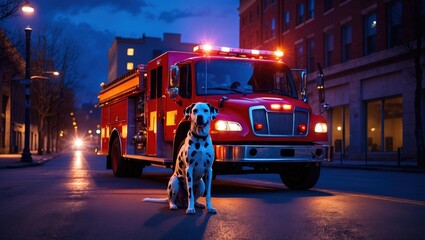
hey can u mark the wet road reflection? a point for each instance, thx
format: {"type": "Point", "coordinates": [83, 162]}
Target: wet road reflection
{"type": "Point", "coordinates": [78, 184]}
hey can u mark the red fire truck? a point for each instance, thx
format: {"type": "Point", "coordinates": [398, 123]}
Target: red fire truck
{"type": "Point", "coordinates": [262, 126]}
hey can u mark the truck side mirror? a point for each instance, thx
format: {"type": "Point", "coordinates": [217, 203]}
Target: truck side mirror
{"type": "Point", "coordinates": [174, 76]}
{"type": "Point", "coordinates": [173, 92]}
{"type": "Point", "coordinates": [304, 93]}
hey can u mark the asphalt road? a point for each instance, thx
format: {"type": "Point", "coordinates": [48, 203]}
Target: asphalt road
{"type": "Point", "coordinates": [74, 197]}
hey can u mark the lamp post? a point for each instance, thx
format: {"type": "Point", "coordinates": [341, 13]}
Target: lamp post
{"type": "Point", "coordinates": [27, 8]}
{"type": "Point", "coordinates": [26, 154]}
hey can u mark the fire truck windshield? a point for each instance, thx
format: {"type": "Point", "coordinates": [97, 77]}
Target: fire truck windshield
{"type": "Point", "coordinates": [235, 76]}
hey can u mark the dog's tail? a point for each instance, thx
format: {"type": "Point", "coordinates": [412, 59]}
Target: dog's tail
{"type": "Point", "coordinates": [156, 200]}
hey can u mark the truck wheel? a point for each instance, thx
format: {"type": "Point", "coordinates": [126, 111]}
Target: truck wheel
{"type": "Point", "coordinates": [300, 176]}
{"type": "Point", "coordinates": [118, 162]}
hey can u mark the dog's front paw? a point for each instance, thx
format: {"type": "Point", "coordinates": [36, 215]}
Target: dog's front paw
{"type": "Point", "coordinates": [173, 206]}
{"type": "Point", "coordinates": [212, 210]}
{"type": "Point", "coordinates": [190, 211]}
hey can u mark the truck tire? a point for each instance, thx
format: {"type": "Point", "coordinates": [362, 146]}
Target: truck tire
{"type": "Point", "coordinates": [118, 162]}
{"type": "Point", "coordinates": [300, 176]}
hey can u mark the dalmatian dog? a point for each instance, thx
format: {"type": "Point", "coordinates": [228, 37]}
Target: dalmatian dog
{"type": "Point", "coordinates": [194, 162]}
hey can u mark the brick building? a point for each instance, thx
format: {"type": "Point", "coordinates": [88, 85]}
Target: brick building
{"type": "Point", "coordinates": [12, 115]}
{"type": "Point", "coordinates": [369, 71]}
{"type": "Point", "coordinates": [126, 53]}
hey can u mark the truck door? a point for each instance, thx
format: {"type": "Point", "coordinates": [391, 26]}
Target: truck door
{"type": "Point", "coordinates": [153, 109]}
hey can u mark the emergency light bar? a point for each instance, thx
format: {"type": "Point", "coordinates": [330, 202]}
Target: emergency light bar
{"type": "Point", "coordinates": [240, 52]}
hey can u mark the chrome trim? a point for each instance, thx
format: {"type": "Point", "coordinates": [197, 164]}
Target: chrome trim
{"type": "Point", "coordinates": [273, 153]}
{"type": "Point", "coordinates": [251, 109]}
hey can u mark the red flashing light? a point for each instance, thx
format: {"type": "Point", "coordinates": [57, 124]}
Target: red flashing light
{"type": "Point", "coordinates": [302, 128]}
{"type": "Point", "coordinates": [238, 52]}
{"type": "Point", "coordinates": [281, 107]}
{"type": "Point", "coordinates": [258, 126]}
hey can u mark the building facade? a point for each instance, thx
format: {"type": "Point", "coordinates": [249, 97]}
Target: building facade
{"type": "Point", "coordinates": [126, 53]}
{"type": "Point", "coordinates": [12, 101]}
{"type": "Point", "coordinates": [363, 48]}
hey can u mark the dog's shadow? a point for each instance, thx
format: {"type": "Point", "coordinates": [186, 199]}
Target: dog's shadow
{"type": "Point", "coordinates": [187, 227]}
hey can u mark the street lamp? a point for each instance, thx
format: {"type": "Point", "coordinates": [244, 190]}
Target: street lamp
{"type": "Point", "coordinates": [26, 154]}
{"type": "Point", "coordinates": [27, 7]}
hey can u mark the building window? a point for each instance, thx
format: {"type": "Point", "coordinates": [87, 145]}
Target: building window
{"type": "Point", "coordinates": [310, 55]}
{"type": "Point", "coordinates": [394, 24]}
{"type": "Point", "coordinates": [273, 27]}
{"type": "Point", "coordinates": [130, 51]}
{"type": "Point", "coordinates": [286, 19]}
{"type": "Point", "coordinates": [310, 9]}
{"type": "Point", "coordinates": [346, 42]}
{"type": "Point", "coordinates": [266, 32]}
{"type": "Point", "coordinates": [130, 65]}
{"type": "Point", "coordinates": [370, 33]}
{"type": "Point", "coordinates": [328, 5]}
{"type": "Point", "coordinates": [299, 53]}
{"type": "Point", "coordinates": [341, 129]}
{"type": "Point", "coordinates": [329, 48]}
{"type": "Point", "coordinates": [385, 125]}
{"type": "Point", "coordinates": [300, 13]}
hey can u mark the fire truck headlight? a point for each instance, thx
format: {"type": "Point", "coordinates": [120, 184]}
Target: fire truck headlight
{"type": "Point", "coordinates": [222, 125]}
{"type": "Point", "coordinates": [321, 128]}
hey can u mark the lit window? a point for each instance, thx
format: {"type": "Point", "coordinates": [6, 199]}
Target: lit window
{"type": "Point", "coordinates": [130, 66]}
{"type": "Point", "coordinates": [130, 51]}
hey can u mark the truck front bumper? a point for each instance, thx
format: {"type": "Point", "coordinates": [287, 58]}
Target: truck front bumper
{"type": "Point", "coordinates": [273, 153]}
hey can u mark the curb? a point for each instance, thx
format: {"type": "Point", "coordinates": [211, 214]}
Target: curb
{"type": "Point", "coordinates": [35, 163]}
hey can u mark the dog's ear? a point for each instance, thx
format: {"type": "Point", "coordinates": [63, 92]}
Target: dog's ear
{"type": "Point", "coordinates": [188, 111]}
{"type": "Point", "coordinates": [214, 111]}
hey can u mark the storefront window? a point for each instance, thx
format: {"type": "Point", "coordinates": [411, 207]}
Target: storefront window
{"type": "Point", "coordinates": [393, 124]}
{"type": "Point", "coordinates": [385, 125]}
{"type": "Point", "coordinates": [341, 129]}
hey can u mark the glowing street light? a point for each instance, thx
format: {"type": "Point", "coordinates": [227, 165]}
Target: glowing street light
{"type": "Point", "coordinates": [27, 7]}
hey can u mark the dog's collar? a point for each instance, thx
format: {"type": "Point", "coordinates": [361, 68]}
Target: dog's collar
{"type": "Point", "coordinates": [199, 136]}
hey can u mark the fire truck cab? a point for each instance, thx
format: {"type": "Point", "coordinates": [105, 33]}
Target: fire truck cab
{"type": "Point", "coordinates": [262, 125]}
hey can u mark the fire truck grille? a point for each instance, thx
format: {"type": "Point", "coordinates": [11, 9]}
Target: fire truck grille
{"type": "Point", "coordinates": [272, 123]}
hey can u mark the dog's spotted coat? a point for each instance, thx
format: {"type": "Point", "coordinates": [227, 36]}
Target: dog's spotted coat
{"type": "Point", "coordinates": [194, 162]}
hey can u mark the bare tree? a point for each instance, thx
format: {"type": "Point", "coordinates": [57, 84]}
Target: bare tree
{"type": "Point", "coordinates": [53, 99]}
{"type": "Point", "coordinates": [9, 8]}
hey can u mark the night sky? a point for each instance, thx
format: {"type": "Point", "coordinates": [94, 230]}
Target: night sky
{"type": "Point", "coordinates": [93, 24]}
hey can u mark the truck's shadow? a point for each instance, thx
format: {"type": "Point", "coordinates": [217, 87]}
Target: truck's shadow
{"type": "Point", "coordinates": [229, 186]}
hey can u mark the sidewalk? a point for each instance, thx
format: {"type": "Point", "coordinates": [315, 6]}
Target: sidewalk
{"type": "Point", "coordinates": [378, 165]}
{"type": "Point", "coordinates": [14, 160]}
